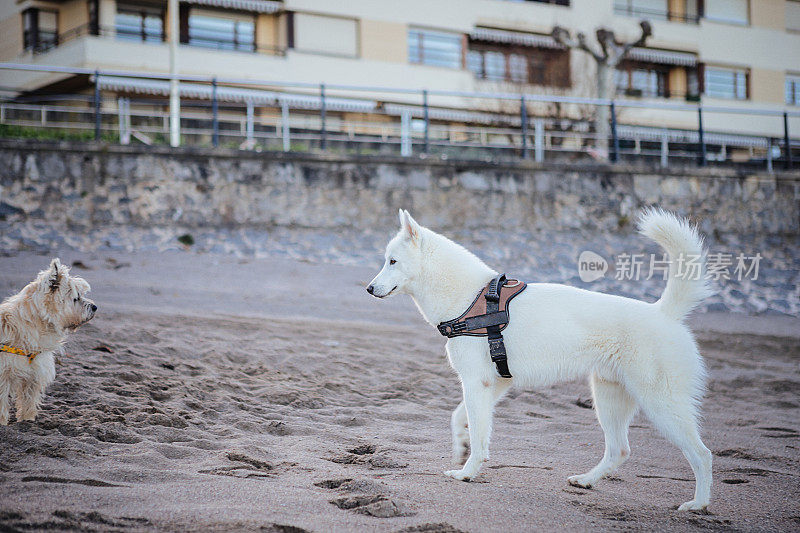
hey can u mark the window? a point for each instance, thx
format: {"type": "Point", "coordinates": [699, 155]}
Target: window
{"type": "Point", "coordinates": [40, 29]}
{"type": "Point", "coordinates": [658, 9]}
{"type": "Point", "coordinates": [439, 49]}
{"type": "Point", "coordinates": [328, 35]}
{"type": "Point", "coordinates": [793, 89]}
{"type": "Point", "coordinates": [221, 30]}
{"type": "Point", "coordinates": [139, 23]}
{"type": "Point", "coordinates": [730, 11]}
{"type": "Point", "coordinates": [793, 15]}
{"type": "Point", "coordinates": [653, 9]}
{"type": "Point", "coordinates": [726, 83]}
{"type": "Point", "coordinates": [634, 78]}
{"type": "Point", "coordinates": [519, 64]}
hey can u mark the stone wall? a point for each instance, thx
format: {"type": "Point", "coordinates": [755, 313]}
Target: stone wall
{"type": "Point", "coordinates": [86, 186]}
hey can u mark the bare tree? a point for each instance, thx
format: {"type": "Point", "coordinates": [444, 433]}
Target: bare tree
{"type": "Point", "coordinates": [612, 51]}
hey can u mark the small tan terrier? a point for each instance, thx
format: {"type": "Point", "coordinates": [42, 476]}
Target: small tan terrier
{"type": "Point", "coordinates": [33, 326]}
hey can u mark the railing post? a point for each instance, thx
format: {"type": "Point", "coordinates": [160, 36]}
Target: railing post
{"type": "Point", "coordinates": [405, 134]}
{"type": "Point", "coordinates": [97, 105]}
{"type": "Point", "coordinates": [323, 130]}
{"type": "Point", "coordinates": [614, 138]}
{"type": "Point", "coordinates": [787, 142]}
{"type": "Point", "coordinates": [426, 146]}
{"type": "Point", "coordinates": [214, 114]}
{"type": "Point", "coordinates": [285, 126]}
{"type": "Point", "coordinates": [523, 116]}
{"type": "Point", "coordinates": [538, 140]}
{"type": "Point", "coordinates": [769, 155]}
{"type": "Point", "coordinates": [123, 120]}
{"type": "Point", "coordinates": [250, 128]}
{"type": "Point", "coordinates": [702, 139]}
{"type": "Point", "coordinates": [664, 150]}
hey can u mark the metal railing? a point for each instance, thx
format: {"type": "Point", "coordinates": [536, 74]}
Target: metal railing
{"type": "Point", "coordinates": [47, 44]}
{"type": "Point", "coordinates": [304, 116]}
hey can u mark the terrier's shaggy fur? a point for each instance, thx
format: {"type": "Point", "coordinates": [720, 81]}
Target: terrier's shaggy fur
{"type": "Point", "coordinates": [638, 355]}
{"type": "Point", "coordinates": [36, 321]}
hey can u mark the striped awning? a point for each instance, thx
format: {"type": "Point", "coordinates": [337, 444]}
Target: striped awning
{"type": "Point", "coordinates": [665, 57]}
{"type": "Point", "coordinates": [645, 133]}
{"type": "Point", "coordinates": [454, 115]}
{"type": "Point", "coordinates": [513, 37]}
{"type": "Point", "coordinates": [257, 6]}
{"type": "Point", "coordinates": [232, 94]}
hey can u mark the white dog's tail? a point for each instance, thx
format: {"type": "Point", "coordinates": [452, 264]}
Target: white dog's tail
{"type": "Point", "coordinates": [686, 286]}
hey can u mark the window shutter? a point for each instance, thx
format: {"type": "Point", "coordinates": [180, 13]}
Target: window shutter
{"type": "Point", "coordinates": [183, 23]}
{"type": "Point", "coordinates": [701, 78]}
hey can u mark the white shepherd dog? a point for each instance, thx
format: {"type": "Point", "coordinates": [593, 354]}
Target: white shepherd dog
{"type": "Point", "coordinates": [637, 355]}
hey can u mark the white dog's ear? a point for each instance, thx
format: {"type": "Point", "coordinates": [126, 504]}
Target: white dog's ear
{"type": "Point", "coordinates": [55, 275]}
{"type": "Point", "coordinates": [409, 226]}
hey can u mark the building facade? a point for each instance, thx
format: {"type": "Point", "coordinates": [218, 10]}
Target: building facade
{"type": "Point", "coordinates": [741, 54]}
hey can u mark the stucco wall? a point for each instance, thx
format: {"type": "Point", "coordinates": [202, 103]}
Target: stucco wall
{"type": "Point", "coordinates": [85, 186]}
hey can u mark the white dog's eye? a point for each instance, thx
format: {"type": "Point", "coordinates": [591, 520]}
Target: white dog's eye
{"type": "Point", "coordinates": [392, 261]}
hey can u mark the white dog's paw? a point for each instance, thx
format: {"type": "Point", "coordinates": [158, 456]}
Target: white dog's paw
{"type": "Point", "coordinates": [582, 481]}
{"type": "Point", "coordinates": [461, 475]}
{"type": "Point", "coordinates": [693, 505]}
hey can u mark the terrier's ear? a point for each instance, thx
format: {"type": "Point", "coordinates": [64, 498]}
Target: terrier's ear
{"type": "Point", "coordinates": [55, 276]}
{"type": "Point", "coordinates": [410, 227]}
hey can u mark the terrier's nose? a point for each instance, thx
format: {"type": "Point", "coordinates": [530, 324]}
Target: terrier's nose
{"type": "Point", "coordinates": [370, 289]}
{"type": "Point", "coordinates": [94, 308]}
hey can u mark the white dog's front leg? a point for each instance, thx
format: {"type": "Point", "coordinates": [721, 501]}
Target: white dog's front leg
{"type": "Point", "coordinates": [479, 402]}
{"type": "Point", "coordinates": [29, 396]}
{"type": "Point", "coordinates": [5, 390]}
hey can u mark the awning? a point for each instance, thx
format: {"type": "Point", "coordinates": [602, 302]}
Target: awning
{"type": "Point", "coordinates": [233, 94]}
{"type": "Point", "coordinates": [514, 37]}
{"type": "Point", "coordinates": [454, 115]}
{"type": "Point", "coordinates": [257, 6]}
{"type": "Point", "coordinates": [645, 133]}
{"type": "Point", "coordinates": [665, 57]}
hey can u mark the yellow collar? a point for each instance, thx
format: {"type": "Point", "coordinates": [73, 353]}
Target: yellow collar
{"type": "Point", "coordinates": [10, 349]}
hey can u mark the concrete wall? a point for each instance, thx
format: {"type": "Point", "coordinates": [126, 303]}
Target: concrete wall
{"type": "Point", "coordinates": [86, 186]}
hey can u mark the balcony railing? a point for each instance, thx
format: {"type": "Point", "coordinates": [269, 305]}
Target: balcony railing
{"type": "Point", "coordinates": [111, 32]}
{"type": "Point", "coordinates": [654, 14]}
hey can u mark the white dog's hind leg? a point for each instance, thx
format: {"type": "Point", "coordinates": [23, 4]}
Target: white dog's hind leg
{"type": "Point", "coordinates": [460, 426]}
{"type": "Point", "coordinates": [614, 408]}
{"type": "Point", "coordinates": [678, 422]}
{"type": "Point", "coordinates": [479, 402]}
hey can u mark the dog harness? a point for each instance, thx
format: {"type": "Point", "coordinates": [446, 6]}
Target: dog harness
{"type": "Point", "coordinates": [487, 317]}
{"type": "Point", "coordinates": [10, 349]}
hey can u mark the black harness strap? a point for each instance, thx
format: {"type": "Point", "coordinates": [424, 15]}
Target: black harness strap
{"type": "Point", "coordinates": [497, 349]}
{"type": "Point", "coordinates": [493, 322]}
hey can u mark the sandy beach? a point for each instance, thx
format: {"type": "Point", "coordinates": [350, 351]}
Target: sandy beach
{"type": "Point", "coordinates": [215, 393]}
